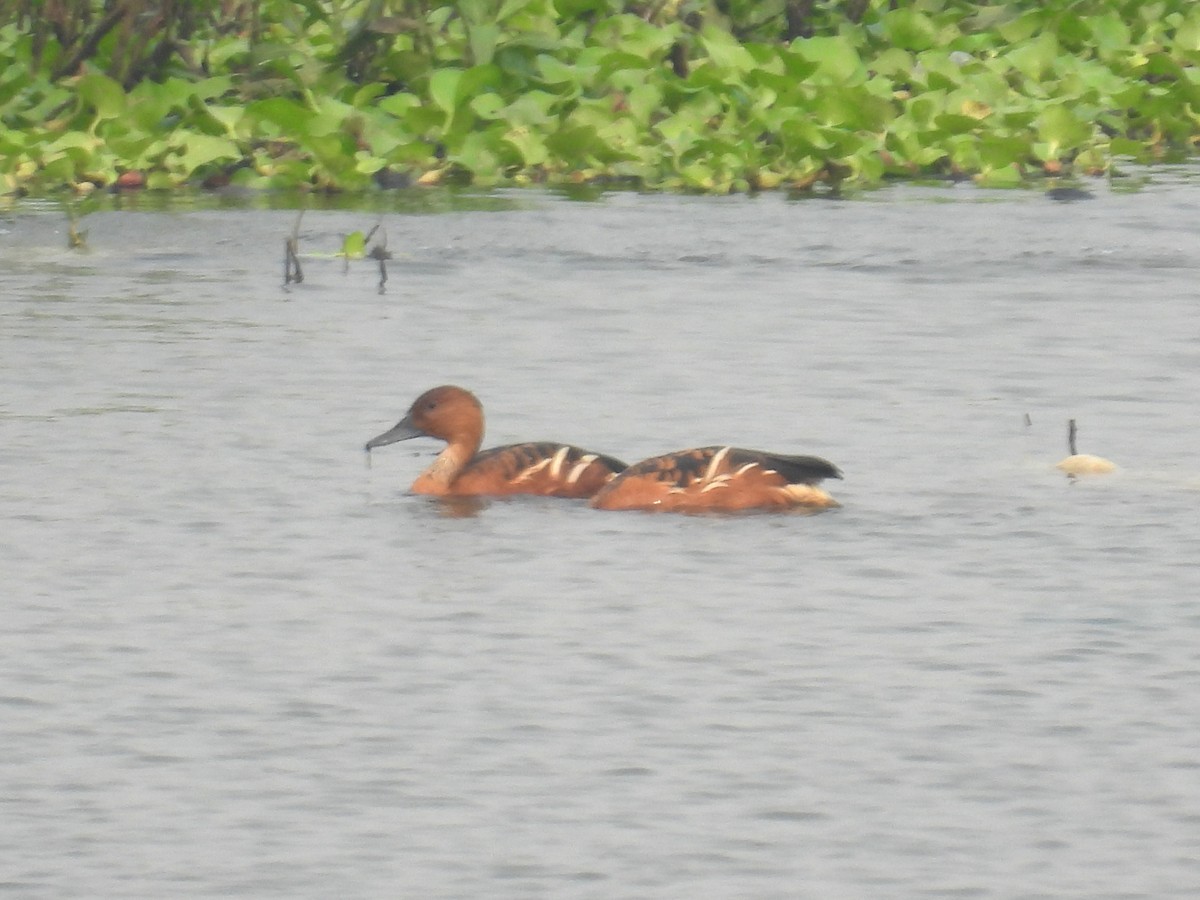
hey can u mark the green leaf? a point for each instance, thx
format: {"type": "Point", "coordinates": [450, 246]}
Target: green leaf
{"type": "Point", "coordinates": [573, 142]}
{"type": "Point", "coordinates": [532, 108]}
{"type": "Point", "coordinates": [398, 105]}
{"type": "Point", "coordinates": [103, 95]}
{"type": "Point", "coordinates": [1061, 130]}
{"type": "Point", "coordinates": [1035, 58]}
{"type": "Point", "coordinates": [553, 71]}
{"type": "Point", "coordinates": [1109, 32]}
{"type": "Point", "coordinates": [1007, 176]}
{"type": "Point", "coordinates": [529, 144]}
{"type": "Point", "coordinates": [488, 106]}
{"type": "Point", "coordinates": [910, 29]}
{"type": "Point", "coordinates": [482, 38]}
{"type": "Point", "coordinates": [836, 59]}
{"type": "Point", "coordinates": [443, 89]}
{"type": "Point", "coordinates": [354, 245]}
{"type": "Point", "coordinates": [954, 123]}
{"type": "Point", "coordinates": [1120, 146]}
{"type": "Point", "coordinates": [204, 149]}
{"type": "Point", "coordinates": [291, 117]}
{"type": "Point", "coordinates": [725, 51]}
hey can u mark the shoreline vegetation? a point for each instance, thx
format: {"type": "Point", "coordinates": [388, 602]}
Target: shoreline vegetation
{"type": "Point", "coordinates": [714, 97]}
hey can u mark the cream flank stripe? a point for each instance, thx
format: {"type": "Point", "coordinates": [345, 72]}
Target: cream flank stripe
{"type": "Point", "coordinates": [723, 481]}
{"type": "Point", "coordinates": [580, 467]}
{"type": "Point", "coordinates": [715, 463]}
{"type": "Point", "coordinates": [555, 463]}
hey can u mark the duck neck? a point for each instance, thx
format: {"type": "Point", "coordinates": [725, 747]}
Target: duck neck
{"type": "Point", "coordinates": [439, 478]}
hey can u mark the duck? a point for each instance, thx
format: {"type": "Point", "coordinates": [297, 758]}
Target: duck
{"type": "Point", "coordinates": [720, 479]}
{"type": "Point", "coordinates": [455, 415]}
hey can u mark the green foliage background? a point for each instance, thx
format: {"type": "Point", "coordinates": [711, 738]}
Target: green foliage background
{"type": "Point", "coordinates": [666, 94]}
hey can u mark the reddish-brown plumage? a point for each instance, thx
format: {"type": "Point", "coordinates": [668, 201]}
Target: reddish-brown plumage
{"type": "Point", "coordinates": [719, 479]}
{"type": "Point", "coordinates": [455, 416]}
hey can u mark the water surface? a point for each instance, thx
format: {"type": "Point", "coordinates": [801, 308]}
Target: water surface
{"type": "Point", "coordinates": [238, 662]}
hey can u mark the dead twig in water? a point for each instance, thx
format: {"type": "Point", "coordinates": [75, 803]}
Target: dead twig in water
{"type": "Point", "coordinates": [381, 253]}
{"type": "Point", "coordinates": [291, 257]}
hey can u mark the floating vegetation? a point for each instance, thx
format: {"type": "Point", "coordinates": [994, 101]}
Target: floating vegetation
{"type": "Point", "coordinates": [698, 96]}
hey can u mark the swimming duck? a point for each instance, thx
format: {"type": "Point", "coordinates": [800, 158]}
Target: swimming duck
{"type": "Point", "coordinates": [455, 416]}
{"type": "Point", "coordinates": [722, 479]}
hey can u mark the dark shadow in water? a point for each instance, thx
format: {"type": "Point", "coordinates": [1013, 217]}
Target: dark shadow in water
{"type": "Point", "coordinates": [460, 507]}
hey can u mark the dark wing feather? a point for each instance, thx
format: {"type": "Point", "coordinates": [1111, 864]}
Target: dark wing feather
{"type": "Point", "coordinates": [681, 467]}
{"type": "Point", "coordinates": [796, 469]}
{"type": "Point", "coordinates": [684, 467]}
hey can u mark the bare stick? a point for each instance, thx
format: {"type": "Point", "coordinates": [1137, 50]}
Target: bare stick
{"type": "Point", "coordinates": [380, 252]}
{"type": "Point", "coordinates": [1071, 436]}
{"type": "Point", "coordinates": [291, 257]}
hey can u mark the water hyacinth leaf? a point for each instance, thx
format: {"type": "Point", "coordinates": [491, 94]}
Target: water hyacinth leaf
{"type": "Point", "coordinates": [530, 146]}
{"type": "Point", "coordinates": [482, 38]}
{"type": "Point", "coordinates": [1005, 176]}
{"type": "Point", "coordinates": [679, 133]}
{"type": "Point", "coordinates": [1060, 130]}
{"type": "Point", "coordinates": [836, 59]}
{"type": "Point", "coordinates": [796, 66]}
{"type": "Point", "coordinates": [229, 118]}
{"type": "Point", "coordinates": [200, 117]}
{"type": "Point", "coordinates": [443, 89]}
{"type": "Point", "coordinates": [74, 140]}
{"type": "Point", "coordinates": [203, 149]}
{"type": "Point", "coordinates": [572, 142]}
{"type": "Point", "coordinates": [553, 71]}
{"type": "Point", "coordinates": [1109, 32]}
{"type": "Point", "coordinates": [532, 108]}
{"type": "Point", "coordinates": [488, 106]}
{"type": "Point", "coordinates": [924, 109]}
{"type": "Point", "coordinates": [1022, 28]}
{"type": "Point", "coordinates": [1072, 31]}
{"type": "Point", "coordinates": [475, 80]}
{"type": "Point", "coordinates": [998, 152]}
{"type": "Point", "coordinates": [478, 154]}
{"type": "Point", "coordinates": [105, 97]}
{"type": "Point", "coordinates": [398, 105]}
{"type": "Point", "coordinates": [367, 164]}
{"type": "Point", "coordinates": [927, 156]}
{"type": "Point", "coordinates": [910, 29]}
{"type": "Point", "coordinates": [725, 52]}
{"type": "Point", "coordinates": [354, 245]}
{"type": "Point", "coordinates": [954, 123]}
{"type": "Point", "coordinates": [1187, 33]}
{"type": "Point", "coordinates": [331, 117]}
{"type": "Point", "coordinates": [1092, 161]}
{"type": "Point", "coordinates": [367, 95]}
{"type": "Point", "coordinates": [63, 168]}
{"type": "Point", "coordinates": [644, 101]}
{"type": "Point", "coordinates": [291, 117]}
{"type": "Point", "coordinates": [894, 62]}
{"type": "Point", "coordinates": [1035, 58]}
{"type": "Point", "coordinates": [637, 36]}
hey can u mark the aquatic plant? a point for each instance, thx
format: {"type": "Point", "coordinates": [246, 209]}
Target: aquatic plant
{"type": "Point", "coordinates": [670, 94]}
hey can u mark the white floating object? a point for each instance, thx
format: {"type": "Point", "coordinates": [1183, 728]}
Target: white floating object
{"type": "Point", "coordinates": [1083, 463]}
{"type": "Point", "coordinates": [1086, 464]}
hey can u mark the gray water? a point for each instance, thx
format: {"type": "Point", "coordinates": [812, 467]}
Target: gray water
{"type": "Point", "coordinates": [236, 661]}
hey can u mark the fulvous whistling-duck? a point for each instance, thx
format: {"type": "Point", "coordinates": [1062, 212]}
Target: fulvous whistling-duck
{"type": "Point", "coordinates": [1083, 463]}
{"type": "Point", "coordinates": [455, 416]}
{"type": "Point", "coordinates": [722, 479]}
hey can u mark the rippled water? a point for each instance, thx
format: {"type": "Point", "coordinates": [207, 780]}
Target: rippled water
{"type": "Point", "coordinates": [237, 662]}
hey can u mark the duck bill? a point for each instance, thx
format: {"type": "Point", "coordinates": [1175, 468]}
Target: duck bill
{"type": "Point", "coordinates": [401, 431]}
